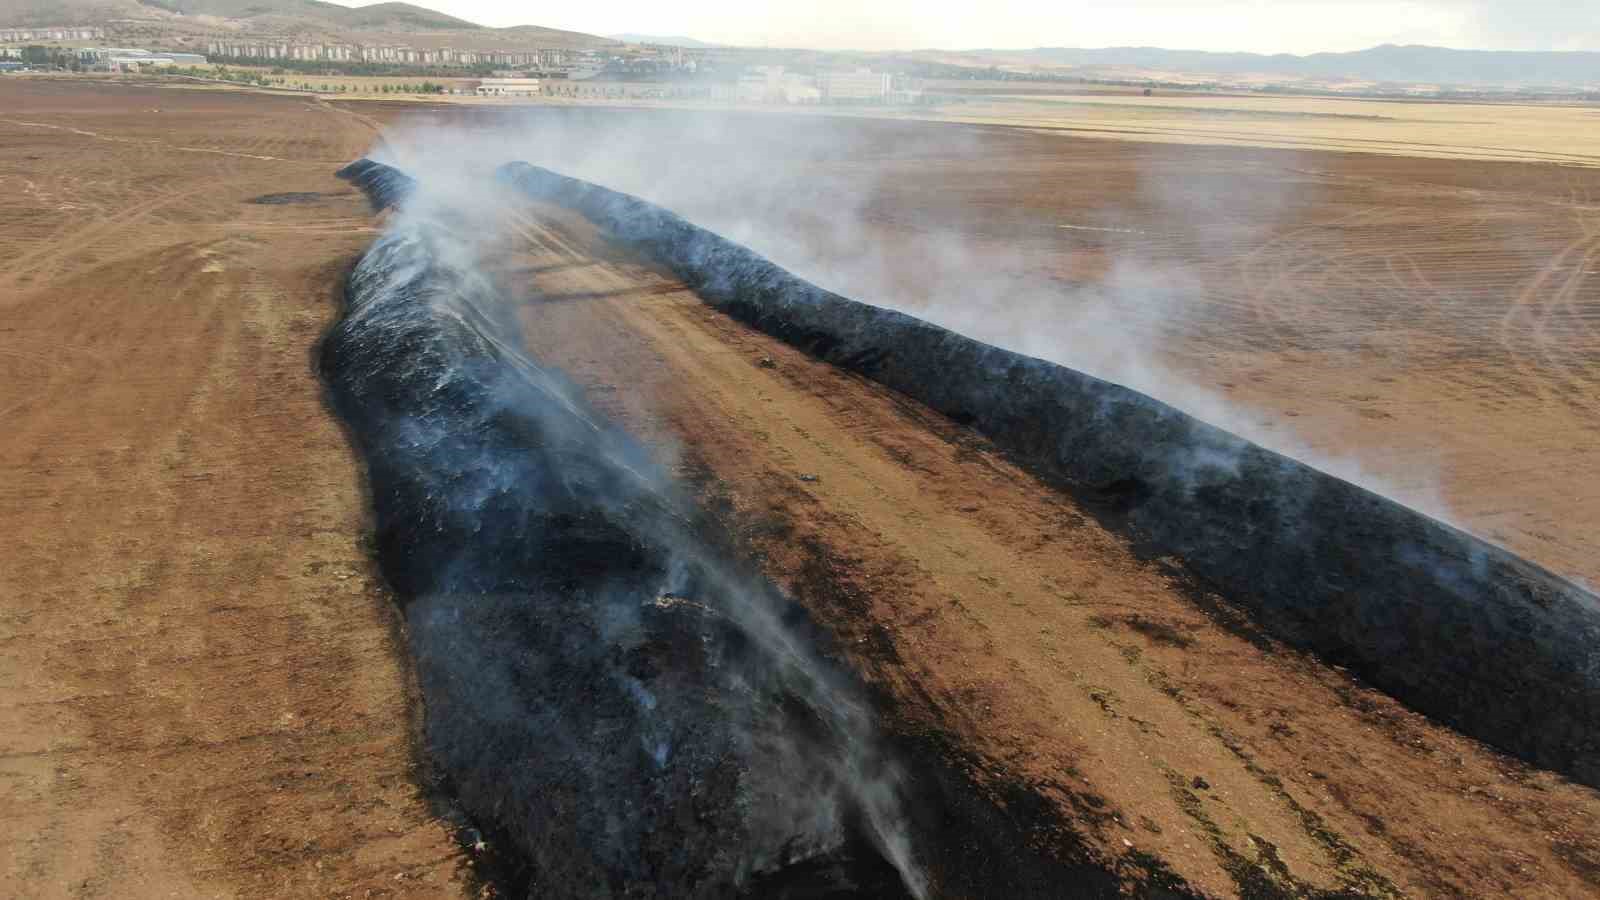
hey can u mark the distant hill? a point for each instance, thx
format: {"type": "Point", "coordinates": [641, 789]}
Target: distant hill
{"type": "Point", "coordinates": [382, 16]}
{"type": "Point", "coordinates": [386, 16]}
{"type": "Point", "coordinates": [397, 16]}
{"type": "Point", "coordinates": [157, 20]}
{"type": "Point", "coordinates": [160, 20]}
{"type": "Point", "coordinates": [665, 40]}
{"type": "Point", "coordinates": [33, 13]}
{"type": "Point", "coordinates": [1412, 64]}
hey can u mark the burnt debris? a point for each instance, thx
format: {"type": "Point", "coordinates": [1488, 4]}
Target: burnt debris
{"type": "Point", "coordinates": [384, 186]}
{"type": "Point", "coordinates": [635, 714]}
{"type": "Point", "coordinates": [609, 695]}
{"type": "Point", "coordinates": [1461, 630]}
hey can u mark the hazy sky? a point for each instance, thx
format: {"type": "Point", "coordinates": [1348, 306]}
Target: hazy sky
{"type": "Point", "coordinates": [1267, 26]}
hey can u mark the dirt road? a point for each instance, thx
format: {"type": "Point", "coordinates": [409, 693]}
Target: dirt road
{"type": "Point", "coordinates": [983, 601]}
{"type": "Point", "coordinates": [198, 694]}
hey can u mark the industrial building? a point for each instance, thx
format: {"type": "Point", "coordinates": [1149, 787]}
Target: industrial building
{"type": "Point", "coordinates": [760, 84]}
{"type": "Point", "coordinates": [508, 87]}
{"type": "Point", "coordinates": [123, 59]}
{"type": "Point", "coordinates": [153, 61]}
{"type": "Point", "coordinates": [858, 86]}
{"type": "Point", "coordinates": [772, 84]}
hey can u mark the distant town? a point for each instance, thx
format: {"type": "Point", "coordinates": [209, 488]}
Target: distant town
{"type": "Point", "coordinates": [323, 57]}
{"type": "Point", "coordinates": [623, 71]}
{"type": "Point", "coordinates": [62, 33]}
{"type": "Point", "coordinates": [283, 50]}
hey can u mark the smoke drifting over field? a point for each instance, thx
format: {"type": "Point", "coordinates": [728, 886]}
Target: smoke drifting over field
{"type": "Point", "coordinates": [753, 178]}
{"type": "Point", "coordinates": [1461, 630]}
{"type": "Point", "coordinates": [618, 702]}
{"type": "Point", "coordinates": [541, 552]}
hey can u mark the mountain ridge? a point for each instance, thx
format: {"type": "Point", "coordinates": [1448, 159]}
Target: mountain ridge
{"type": "Point", "coordinates": [1414, 63]}
{"type": "Point", "coordinates": [665, 40]}
{"type": "Point", "coordinates": [186, 21]}
{"type": "Point", "coordinates": [398, 21]}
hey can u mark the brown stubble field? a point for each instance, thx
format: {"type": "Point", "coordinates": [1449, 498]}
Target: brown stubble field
{"type": "Point", "coordinates": [201, 693]}
{"type": "Point", "coordinates": [1550, 132]}
{"type": "Point", "coordinates": [1428, 328]}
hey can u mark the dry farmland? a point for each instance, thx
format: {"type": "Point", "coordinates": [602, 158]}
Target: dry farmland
{"type": "Point", "coordinates": [201, 690]}
{"type": "Point", "coordinates": [1531, 132]}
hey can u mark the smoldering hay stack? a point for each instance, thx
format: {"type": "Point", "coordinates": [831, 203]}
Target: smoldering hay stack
{"type": "Point", "coordinates": [604, 691]}
{"type": "Point", "coordinates": [385, 186]}
{"type": "Point", "coordinates": [640, 717]}
{"type": "Point", "coordinates": [1457, 628]}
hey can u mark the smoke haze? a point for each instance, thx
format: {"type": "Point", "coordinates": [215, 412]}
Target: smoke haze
{"type": "Point", "coordinates": [903, 216]}
{"type": "Point", "coordinates": [1297, 26]}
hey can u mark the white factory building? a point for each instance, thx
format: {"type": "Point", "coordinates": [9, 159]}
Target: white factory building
{"type": "Point", "coordinates": [508, 87]}
{"type": "Point", "coordinates": [772, 84]}
{"type": "Point", "coordinates": [858, 86]}
{"type": "Point", "coordinates": [124, 58]}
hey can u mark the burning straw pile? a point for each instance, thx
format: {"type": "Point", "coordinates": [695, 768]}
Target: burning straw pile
{"type": "Point", "coordinates": [1461, 630]}
{"type": "Point", "coordinates": [638, 717]}
{"type": "Point", "coordinates": [633, 714]}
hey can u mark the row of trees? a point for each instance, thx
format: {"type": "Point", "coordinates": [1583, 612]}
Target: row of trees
{"type": "Point", "coordinates": [356, 68]}
{"type": "Point", "coordinates": [421, 87]}
{"type": "Point", "coordinates": [262, 79]}
{"type": "Point", "coordinates": [223, 74]}
{"type": "Point", "coordinates": [40, 57]}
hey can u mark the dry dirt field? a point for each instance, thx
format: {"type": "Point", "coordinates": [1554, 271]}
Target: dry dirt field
{"type": "Point", "coordinates": [200, 693]}
{"type": "Point", "coordinates": [1526, 132]}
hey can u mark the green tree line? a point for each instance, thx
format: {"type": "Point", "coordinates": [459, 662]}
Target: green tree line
{"type": "Point", "coordinates": [356, 67]}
